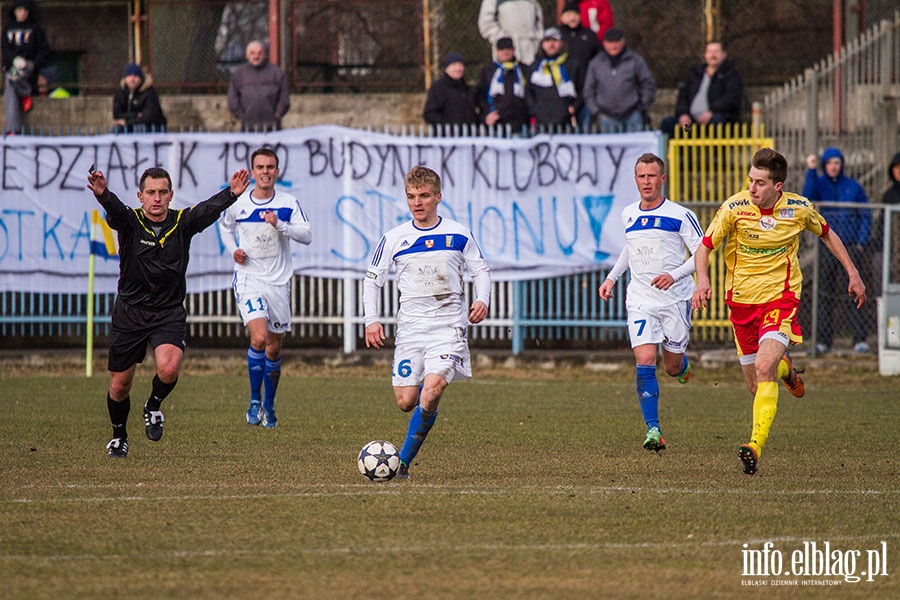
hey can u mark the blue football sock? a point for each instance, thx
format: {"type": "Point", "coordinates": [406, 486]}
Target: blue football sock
{"type": "Point", "coordinates": [684, 365]}
{"type": "Point", "coordinates": [648, 394]}
{"type": "Point", "coordinates": [256, 366]}
{"type": "Point", "coordinates": [270, 383]}
{"type": "Point", "coordinates": [419, 425]}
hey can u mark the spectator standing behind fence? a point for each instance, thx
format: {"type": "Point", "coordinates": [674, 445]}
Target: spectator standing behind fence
{"type": "Point", "coordinates": [710, 95]}
{"type": "Point", "coordinates": [265, 221]}
{"type": "Point", "coordinates": [450, 100]}
{"type": "Point", "coordinates": [552, 90]}
{"type": "Point", "coordinates": [853, 226]}
{"type": "Point", "coordinates": [892, 196]}
{"type": "Point", "coordinates": [596, 15]}
{"type": "Point", "coordinates": [521, 20]}
{"type": "Point", "coordinates": [25, 51]}
{"type": "Point", "coordinates": [581, 43]}
{"type": "Point", "coordinates": [258, 94]}
{"type": "Point", "coordinates": [618, 86]}
{"type": "Point", "coordinates": [136, 106]}
{"type": "Point", "coordinates": [500, 92]}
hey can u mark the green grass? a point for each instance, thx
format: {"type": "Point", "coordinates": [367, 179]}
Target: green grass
{"type": "Point", "coordinates": [532, 484]}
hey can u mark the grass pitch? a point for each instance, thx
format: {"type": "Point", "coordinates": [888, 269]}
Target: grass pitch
{"type": "Point", "coordinates": [533, 484]}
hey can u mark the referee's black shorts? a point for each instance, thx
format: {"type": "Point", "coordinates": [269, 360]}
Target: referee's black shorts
{"type": "Point", "coordinates": [133, 328]}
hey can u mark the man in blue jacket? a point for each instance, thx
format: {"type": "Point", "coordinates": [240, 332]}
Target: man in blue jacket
{"type": "Point", "coordinates": [853, 225]}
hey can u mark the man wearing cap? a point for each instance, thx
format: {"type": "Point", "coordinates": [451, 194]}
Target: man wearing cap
{"type": "Point", "coordinates": [581, 43]}
{"type": "Point", "coordinates": [618, 86]}
{"type": "Point", "coordinates": [500, 92]}
{"type": "Point", "coordinates": [136, 106]}
{"type": "Point", "coordinates": [521, 20]}
{"type": "Point", "coordinates": [450, 100]}
{"type": "Point", "coordinates": [258, 94]}
{"type": "Point", "coordinates": [552, 91]}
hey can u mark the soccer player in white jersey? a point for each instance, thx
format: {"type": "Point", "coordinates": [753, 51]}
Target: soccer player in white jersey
{"type": "Point", "coordinates": [430, 254]}
{"type": "Point", "coordinates": [659, 234]}
{"type": "Point", "coordinates": [265, 221]}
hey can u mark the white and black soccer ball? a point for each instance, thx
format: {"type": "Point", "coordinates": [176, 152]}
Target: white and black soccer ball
{"type": "Point", "coordinates": [379, 460]}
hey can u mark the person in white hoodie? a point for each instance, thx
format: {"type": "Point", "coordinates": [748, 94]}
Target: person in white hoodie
{"type": "Point", "coordinates": [521, 20]}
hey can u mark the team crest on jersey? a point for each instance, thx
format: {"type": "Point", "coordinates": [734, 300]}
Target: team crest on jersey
{"type": "Point", "coordinates": [767, 223]}
{"type": "Point", "coordinates": [429, 244]}
{"type": "Point", "coordinates": [786, 213]}
{"type": "Point", "coordinates": [643, 221]}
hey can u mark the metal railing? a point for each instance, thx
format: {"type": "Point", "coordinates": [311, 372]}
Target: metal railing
{"type": "Point", "coordinates": [850, 100]}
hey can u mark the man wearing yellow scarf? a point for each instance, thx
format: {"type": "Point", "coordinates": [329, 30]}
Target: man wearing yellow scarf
{"type": "Point", "coordinates": [551, 91]}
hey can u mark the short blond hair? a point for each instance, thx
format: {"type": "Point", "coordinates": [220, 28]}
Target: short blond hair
{"type": "Point", "coordinates": [420, 176]}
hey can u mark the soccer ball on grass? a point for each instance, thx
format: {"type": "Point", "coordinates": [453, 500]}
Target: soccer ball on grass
{"type": "Point", "coordinates": [379, 460]}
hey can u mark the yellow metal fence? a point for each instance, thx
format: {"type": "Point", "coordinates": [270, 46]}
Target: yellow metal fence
{"type": "Point", "coordinates": [707, 164]}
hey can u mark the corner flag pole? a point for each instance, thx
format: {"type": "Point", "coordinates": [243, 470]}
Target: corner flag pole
{"type": "Point", "coordinates": [89, 345]}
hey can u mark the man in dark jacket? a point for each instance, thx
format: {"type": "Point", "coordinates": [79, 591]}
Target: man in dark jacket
{"type": "Point", "coordinates": [500, 92]}
{"type": "Point", "coordinates": [136, 106]}
{"type": "Point", "coordinates": [582, 43]}
{"type": "Point", "coordinates": [450, 100]}
{"type": "Point", "coordinates": [258, 94]}
{"type": "Point", "coordinates": [154, 249]}
{"type": "Point", "coordinates": [711, 94]}
{"type": "Point", "coordinates": [853, 226]}
{"type": "Point", "coordinates": [553, 84]}
{"type": "Point", "coordinates": [25, 51]}
{"type": "Point", "coordinates": [618, 86]}
{"type": "Point", "coordinates": [892, 196]}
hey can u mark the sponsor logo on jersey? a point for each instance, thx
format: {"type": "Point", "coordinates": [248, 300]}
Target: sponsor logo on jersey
{"type": "Point", "coordinates": [148, 242]}
{"type": "Point", "coordinates": [761, 251]}
{"type": "Point", "coordinates": [745, 213]}
{"type": "Point", "coordinates": [404, 244]}
{"type": "Point", "coordinates": [797, 202]}
{"type": "Point", "coordinates": [454, 358]}
{"type": "Point", "coordinates": [737, 203]}
{"type": "Point", "coordinates": [767, 223]}
{"type": "Point", "coordinates": [371, 275]}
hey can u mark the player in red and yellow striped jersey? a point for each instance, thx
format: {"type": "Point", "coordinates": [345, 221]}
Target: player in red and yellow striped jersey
{"type": "Point", "coordinates": [761, 228]}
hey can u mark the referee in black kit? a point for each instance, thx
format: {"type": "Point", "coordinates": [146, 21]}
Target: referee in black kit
{"type": "Point", "coordinates": [154, 247]}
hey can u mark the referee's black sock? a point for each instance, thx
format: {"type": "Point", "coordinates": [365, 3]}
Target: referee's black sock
{"type": "Point", "coordinates": [118, 415]}
{"type": "Point", "coordinates": [159, 392]}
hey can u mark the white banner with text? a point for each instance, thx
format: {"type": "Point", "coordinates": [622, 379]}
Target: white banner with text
{"type": "Point", "coordinates": [539, 207]}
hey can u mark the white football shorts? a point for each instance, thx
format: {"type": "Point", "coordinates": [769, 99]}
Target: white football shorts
{"type": "Point", "coordinates": [667, 325]}
{"type": "Point", "coordinates": [257, 299]}
{"type": "Point", "coordinates": [444, 352]}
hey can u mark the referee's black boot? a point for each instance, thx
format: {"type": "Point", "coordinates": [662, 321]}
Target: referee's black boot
{"type": "Point", "coordinates": [153, 422]}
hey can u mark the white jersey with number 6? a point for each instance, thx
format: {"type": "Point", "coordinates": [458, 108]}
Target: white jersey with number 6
{"type": "Point", "coordinates": [430, 264]}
